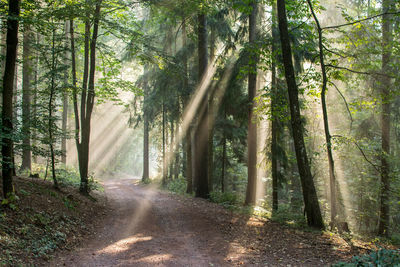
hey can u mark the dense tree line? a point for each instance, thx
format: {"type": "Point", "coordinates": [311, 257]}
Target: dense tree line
{"type": "Point", "coordinates": [323, 80]}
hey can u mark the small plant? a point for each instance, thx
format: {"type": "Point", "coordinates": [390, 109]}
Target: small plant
{"type": "Point", "coordinates": [285, 215]}
{"type": "Point", "coordinates": [379, 258]}
{"type": "Point", "coordinates": [69, 203]}
{"type": "Point", "coordinates": [177, 186]}
{"type": "Point", "coordinates": [11, 201]}
{"type": "Point", "coordinates": [226, 198]}
{"type": "Point", "coordinates": [146, 181]}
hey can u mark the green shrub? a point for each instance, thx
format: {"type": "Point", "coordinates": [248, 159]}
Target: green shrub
{"type": "Point", "coordinates": [285, 215]}
{"type": "Point", "coordinates": [226, 198]}
{"type": "Point", "coordinates": [70, 176]}
{"type": "Point", "coordinates": [380, 258]}
{"type": "Point", "coordinates": [177, 186]}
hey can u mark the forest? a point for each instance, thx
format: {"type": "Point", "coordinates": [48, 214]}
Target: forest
{"type": "Point", "coordinates": [200, 132]}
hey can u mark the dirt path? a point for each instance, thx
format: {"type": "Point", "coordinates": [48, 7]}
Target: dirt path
{"type": "Point", "coordinates": [147, 227]}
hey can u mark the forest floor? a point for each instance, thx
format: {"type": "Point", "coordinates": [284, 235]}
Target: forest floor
{"type": "Point", "coordinates": [149, 227]}
{"type": "Point", "coordinates": [42, 220]}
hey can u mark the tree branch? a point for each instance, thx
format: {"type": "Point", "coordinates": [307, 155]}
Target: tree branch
{"type": "Point", "coordinates": [360, 20]}
{"type": "Point", "coordinates": [363, 154]}
{"type": "Point", "coordinates": [359, 72]}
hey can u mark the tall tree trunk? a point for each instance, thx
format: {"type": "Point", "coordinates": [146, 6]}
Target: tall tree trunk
{"type": "Point", "coordinates": [87, 98]}
{"type": "Point", "coordinates": [145, 176]}
{"type": "Point", "coordinates": [332, 177]}
{"type": "Point", "coordinates": [274, 115]}
{"type": "Point", "coordinates": [201, 133]}
{"type": "Point", "coordinates": [223, 160]}
{"type": "Point", "coordinates": [74, 91]}
{"type": "Point", "coordinates": [252, 124]}
{"type": "Point", "coordinates": [188, 135]}
{"type": "Point", "coordinates": [189, 161]}
{"type": "Point", "coordinates": [211, 113]}
{"type": "Point", "coordinates": [51, 107]}
{"type": "Point", "coordinates": [15, 107]}
{"type": "Point", "coordinates": [65, 102]}
{"type": "Point", "coordinates": [26, 98]}
{"type": "Point", "coordinates": [164, 160]}
{"type": "Point", "coordinates": [89, 101]}
{"type": "Point", "coordinates": [177, 146]}
{"type": "Point", "coordinates": [387, 38]}
{"type": "Point", "coordinates": [8, 87]}
{"type": "Point", "coordinates": [35, 100]}
{"type": "Point", "coordinates": [171, 151]}
{"type": "Point", "coordinates": [312, 209]}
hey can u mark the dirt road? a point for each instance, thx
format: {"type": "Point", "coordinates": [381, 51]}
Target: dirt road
{"type": "Point", "coordinates": [147, 227]}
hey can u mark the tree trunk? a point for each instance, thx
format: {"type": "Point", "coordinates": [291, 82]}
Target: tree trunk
{"type": "Point", "coordinates": [87, 97]}
{"type": "Point", "coordinates": [332, 177]}
{"type": "Point", "coordinates": [310, 197]}
{"type": "Point", "coordinates": [65, 103]}
{"type": "Point", "coordinates": [177, 154]}
{"type": "Point", "coordinates": [252, 124]}
{"type": "Point", "coordinates": [189, 165]}
{"type": "Point", "coordinates": [74, 90]}
{"type": "Point", "coordinates": [223, 157]}
{"type": "Point", "coordinates": [201, 133]}
{"type": "Point", "coordinates": [171, 151]}
{"type": "Point", "coordinates": [35, 100]}
{"type": "Point", "coordinates": [274, 115]}
{"type": "Point", "coordinates": [188, 135]}
{"type": "Point", "coordinates": [387, 37]}
{"type": "Point", "coordinates": [89, 101]}
{"type": "Point", "coordinates": [51, 108]}
{"type": "Point", "coordinates": [164, 160]}
{"type": "Point", "coordinates": [26, 99]}
{"type": "Point", "coordinates": [211, 111]}
{"type": "Point", "coordinates": [145, 176]}
{"type": "Point", "coordinates": [8, 87]}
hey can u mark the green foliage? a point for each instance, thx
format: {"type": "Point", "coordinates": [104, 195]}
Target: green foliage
{"type": "Point", "coordinates": [224, 198]}
{"type": "Point", "coordinates": [11, 201]}
{"type": "Point", "coordinates": [177, 186]}
{"type": "Point", "coordinates": [380, 258]}
{"type": "Point", "coordinates": [285, 215]}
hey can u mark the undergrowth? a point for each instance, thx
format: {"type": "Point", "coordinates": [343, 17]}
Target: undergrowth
{"type": "Point", "coordinates": [41, 220]}
{"type": "Point", "coordinates": [380, 258]}
{"type": "Point", "coordinates": [66, 176]}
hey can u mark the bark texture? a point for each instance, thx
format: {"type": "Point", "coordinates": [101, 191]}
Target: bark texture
{"type": "Point", "coordinates": [26, 99]}
{"type": "Point", "coordinates": [8, 87]}
{"type": "Point", "coordinates": [312, 209]}
{"type": "Point", "coordinates": [201, 133]}
{"type": "Point", "coordinates": [252, 124]}
{"type": "Point", "coordinates": [387, 38]}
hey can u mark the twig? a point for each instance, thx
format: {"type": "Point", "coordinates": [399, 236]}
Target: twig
{"type": "Point", "coordinates": [345, 102]}
{"type": "Point", "coordinates": [360, 20]}
{"type": "Point", "coordinates": [337, 53]}
{"type": "Point", "coordinates": [358, 72]}
{"type": "Point", "coordinates": [362, 152]}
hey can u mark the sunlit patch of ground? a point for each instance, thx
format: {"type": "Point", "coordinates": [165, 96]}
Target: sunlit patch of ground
{"type": "Point", "coordinates": [124, 244]}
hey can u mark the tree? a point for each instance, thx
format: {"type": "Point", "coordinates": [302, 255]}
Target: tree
{"type": "Point", "coordinates": [201, 132]}
{"type": "Point", "coordinates": [252, 124]}
{"type": "Point", "coordinates": [65, 101]}
{"type": "Point", "coordinates": [145, 176]}
{"type": "Point", "coordinates": [386, 97]}
{"type": "Point", "coordinates": [82, 126]}
{"type": "Point", "coordinates": [312, 209]}
{"type": "Point", "coordinates": [26, 97]}
{"type": "Point", "coordinates": [8, 87]}
{"type": "Point", "coordinates": [274, 122]}
{"type": "Point", "coordinates": [328, 137]}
